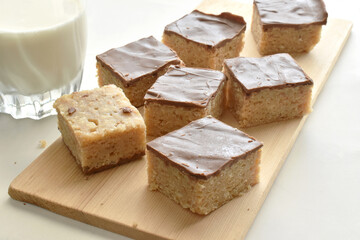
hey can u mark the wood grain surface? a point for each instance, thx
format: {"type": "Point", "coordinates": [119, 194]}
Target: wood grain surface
{"type": "Point", "coordinates": [118, 199]}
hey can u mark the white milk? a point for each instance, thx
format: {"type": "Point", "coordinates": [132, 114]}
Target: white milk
{"type": "Point", "coordinates": [42, 44]}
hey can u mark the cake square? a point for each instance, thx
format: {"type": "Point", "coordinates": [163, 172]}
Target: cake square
{"type": "Point", "coordinates": [267, 89]}
{"type": "Point", "coordinates": [101, 128]}
{"type": "Point", "coordinates": [287, 26]}
{"type": "Point", "coordinates": [181, 96]}
{"type": "Point", "coordinates": [203, 165]}
{"type": "Point", "coordinates": [135, 67]}
{"type": "Point", "coordinates": [205, 40]}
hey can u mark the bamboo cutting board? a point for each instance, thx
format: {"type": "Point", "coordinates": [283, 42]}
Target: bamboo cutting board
{"type": "Point", "coordinates": [118, 199]}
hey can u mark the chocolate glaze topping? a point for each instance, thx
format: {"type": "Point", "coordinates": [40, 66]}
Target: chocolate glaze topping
{"type": "Point", "coordinates": [273, 71]}
{"type": "Point", "coordinates": [137, 59]}
{"type": "Point", "coordinates": [204, 147]}
{"type": "Point", "coordinates": [186, 86]}
{"type": "Point", "coordinates": [291, 12]}
{"type": "Point", "coordinates": [208, 29]}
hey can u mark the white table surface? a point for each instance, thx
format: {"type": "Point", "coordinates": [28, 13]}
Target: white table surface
{"type": "Point", "coordinates": [315, 196]}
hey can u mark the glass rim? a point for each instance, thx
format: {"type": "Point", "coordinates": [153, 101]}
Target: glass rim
{"type": "Point", "coordinates": [40, 29]}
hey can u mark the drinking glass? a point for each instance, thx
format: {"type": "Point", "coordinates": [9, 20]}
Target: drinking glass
{"type": "Point", "coordinates": [42, 51]}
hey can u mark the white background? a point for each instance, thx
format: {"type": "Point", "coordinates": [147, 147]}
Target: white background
{"type": "Point", "coordinates": [315, 196]}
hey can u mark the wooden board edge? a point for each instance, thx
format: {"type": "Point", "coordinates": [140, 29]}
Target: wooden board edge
{"type": "Point", "coordinates": [12, 186]}
{"type": "Point", "coordinates": [348, 26]}
{"type": "Point", "coordinates": [276, 173]}
{"type": "Point", "coordinates": [103, 223]}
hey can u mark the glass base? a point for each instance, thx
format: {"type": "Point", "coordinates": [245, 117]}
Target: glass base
{"type": "Point", "coordinates": [36, 106]}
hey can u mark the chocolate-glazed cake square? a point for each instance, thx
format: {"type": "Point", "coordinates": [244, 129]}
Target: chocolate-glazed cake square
{"type": "Point", "coordinates": [287, 26]}
{"type": "Point", "coordinates": [205, 40]}
{"type": "Point", "coordinates": [135, 67]}
{"type": "Point", "coordinates": [181, 96]}
{"type": "Point", "coordinates": [203, 165]}
{"type": "Point", "coordinates": [100, 127]}
{"type": "Point", "coordinates": [267, 89]}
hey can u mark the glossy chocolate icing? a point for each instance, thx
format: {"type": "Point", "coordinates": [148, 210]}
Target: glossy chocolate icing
{"type": "Point", "coordinates": [291, 12]}
{"type": "Point", "coordinates": [137, 59]}
{"type": "Point", "coordinates": [208, 29]}
{"type": "Point", "coordinates": [204, 147]}
{"type": "Point", "coordinates": [186, 86]}
{"type": "Point", "coordinates": [273, 71]}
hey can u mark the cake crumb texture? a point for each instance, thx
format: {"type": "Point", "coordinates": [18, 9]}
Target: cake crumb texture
{"type": "Point", "coordinates": [203, 165]}
{"type": "Point", "coordinates": [287, 26]}
{"type": "Point", "coordinates": [205, 40]}
{"type": "Point", "coordinates": [267, 89]}
{"type": "Point", "coordinates": [101, 127]}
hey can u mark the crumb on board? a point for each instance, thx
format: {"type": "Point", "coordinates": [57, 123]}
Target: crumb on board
{"type": "Point", "coordinates": [24, 203]}
{"type": "Point", "coordinates": [135, 225]}
{"type": "Point", "coordinates": [42, 144]}
{"type": "Point", "coordinates": [14, 162]}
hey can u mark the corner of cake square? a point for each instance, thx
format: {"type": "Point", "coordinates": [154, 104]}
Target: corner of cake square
{"type": "Point", "coordinates": [101, 128]}
{"type": "Point", "coordinates": [203, 165]}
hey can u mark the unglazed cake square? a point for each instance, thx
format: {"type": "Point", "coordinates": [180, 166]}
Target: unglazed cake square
{"type": "Point", "coordinates": [100, 127]}
{"type": "Point", "coordinates": [267, 89]}
{"type": "Point", "coordinates": [203, 165]}
{"type": "Point", "coordinates": [205, 40]}
{"type": "Point", "coordinates": [135, 66]}
{"type": "Point", "coordinates": [287, 26]}
{"type": "Point", "coordinates": [181, 96]}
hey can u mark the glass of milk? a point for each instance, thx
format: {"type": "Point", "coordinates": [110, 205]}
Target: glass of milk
{"type": "Point", "coordinates": [42, 51]}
